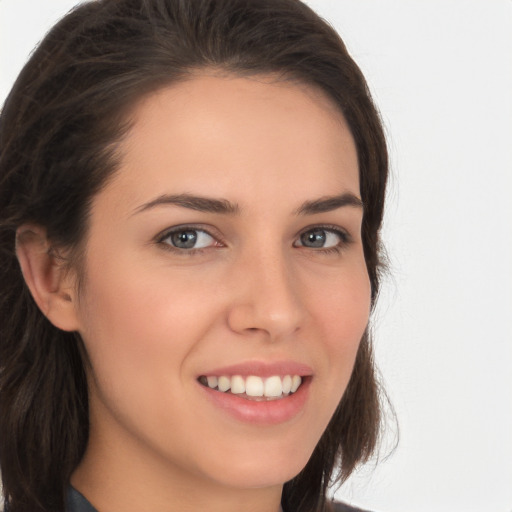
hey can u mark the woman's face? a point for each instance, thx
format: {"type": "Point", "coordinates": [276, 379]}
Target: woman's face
{"type": "Point", "coordinates": [227, 250]}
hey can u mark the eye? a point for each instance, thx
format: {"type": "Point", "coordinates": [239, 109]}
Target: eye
{"type": "Point", "coordinates": [322, 238]}
{"type": "Point", "coordinates": [188, 238]}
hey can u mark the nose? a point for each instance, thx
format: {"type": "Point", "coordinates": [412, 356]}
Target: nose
{"type": "Point", "coordinates": [266, 297]}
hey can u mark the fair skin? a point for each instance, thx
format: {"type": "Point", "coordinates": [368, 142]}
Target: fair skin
{"type": "Point", "coordinates": [269, 275]}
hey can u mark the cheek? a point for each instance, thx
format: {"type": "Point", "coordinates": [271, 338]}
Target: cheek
{"type": "Point", "coordinates": [137, 323]}
{"type": "Point", "coordinates": [342, 314]}
{"type": "Point", "coordinates": [343, 307]}
{"type": "Point", "coordinates": [142, 323]}
{"type": "Point", "coordinates": [139, 335]}
{"type": "Point", "coordinates": [115, 309]}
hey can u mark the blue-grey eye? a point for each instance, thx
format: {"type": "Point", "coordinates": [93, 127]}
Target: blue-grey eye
{"type": "Point", "coordinates": [320, 238]}
{"type": "Point", "coordinates": [190, 239]}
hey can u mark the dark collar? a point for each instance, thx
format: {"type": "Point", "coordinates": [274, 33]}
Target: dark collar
{"type": "Point", "coordinates": [76, 502]}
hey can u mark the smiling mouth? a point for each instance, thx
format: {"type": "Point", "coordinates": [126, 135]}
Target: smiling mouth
{"type": "Point", "coordinates": [254, 387]}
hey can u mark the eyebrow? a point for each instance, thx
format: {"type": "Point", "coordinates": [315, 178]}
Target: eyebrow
{"type": "Point", "coordinates": [199, 203]}
{"type": "Point", "coordinates": [328, 204]}
{"type": "Point", "coordinates": [223, 206]}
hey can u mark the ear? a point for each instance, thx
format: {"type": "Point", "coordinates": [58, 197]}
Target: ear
{"type": "Point", "coordinates": [52, 286]}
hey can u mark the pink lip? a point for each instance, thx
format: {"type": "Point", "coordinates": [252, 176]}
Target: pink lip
{"type": "Point", "coordinates": [262, 369]}
{"type": "Point", "coordinates": [265, 412]}
{"type": "Point", "coordinates": [270, 412]}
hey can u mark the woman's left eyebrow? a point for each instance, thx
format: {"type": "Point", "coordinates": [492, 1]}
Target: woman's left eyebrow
{"type": "Point", "coordinates": [329, 203]}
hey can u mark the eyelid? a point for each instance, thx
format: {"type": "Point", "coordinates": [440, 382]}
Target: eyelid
{"type": "Point", "coordinates": [345, 236]}
{"type": "Point", "coordinates": [342, 232]}
{"type": "Point", "coordinates": [209, 230]}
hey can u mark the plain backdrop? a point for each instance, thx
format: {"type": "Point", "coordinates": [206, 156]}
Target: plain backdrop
{"type": "Point", "coordinates": [441, 74]}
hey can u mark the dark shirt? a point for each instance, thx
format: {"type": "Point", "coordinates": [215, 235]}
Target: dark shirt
{"type": "Point", "coordinates": [76, 502]}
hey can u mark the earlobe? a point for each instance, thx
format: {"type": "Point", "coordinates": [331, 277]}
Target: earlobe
{"type": "Point", "coordinates": [49, 282]}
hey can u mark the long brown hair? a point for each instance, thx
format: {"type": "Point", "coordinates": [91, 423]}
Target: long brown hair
{"type": "Point", "coordinates": [58, 133]}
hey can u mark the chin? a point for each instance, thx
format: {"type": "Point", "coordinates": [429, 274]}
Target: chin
{"type": "Point", "coordinates": [261, 470]}
{"type": "Point", "coordinates": [259, 478]}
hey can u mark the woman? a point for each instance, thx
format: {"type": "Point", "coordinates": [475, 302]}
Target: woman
{"type": "Point", "coordinates": [191, 197]}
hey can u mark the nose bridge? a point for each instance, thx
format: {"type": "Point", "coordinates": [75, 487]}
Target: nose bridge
{"type": "Point", "coordinates": [266, 294]}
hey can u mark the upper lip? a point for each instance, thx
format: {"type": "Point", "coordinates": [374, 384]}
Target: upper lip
{"type": "Point", "coordinates": [262, 369]}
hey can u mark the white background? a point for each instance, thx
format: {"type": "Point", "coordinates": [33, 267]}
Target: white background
{"type": "Point", "coordinates": [441, 73]}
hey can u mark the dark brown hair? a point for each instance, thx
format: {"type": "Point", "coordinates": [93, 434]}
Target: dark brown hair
{"type": "Point", "coordinates": [58, 133]}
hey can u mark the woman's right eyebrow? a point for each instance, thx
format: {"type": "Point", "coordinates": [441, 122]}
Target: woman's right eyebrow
{"type": "Point", "coordinates": [198, 203]}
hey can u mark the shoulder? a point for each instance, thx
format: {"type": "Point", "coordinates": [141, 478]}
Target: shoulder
{"type": "Point", "coordinates": [336, 506]}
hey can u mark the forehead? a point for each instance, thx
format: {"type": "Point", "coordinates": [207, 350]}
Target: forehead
{"type": "Point", "coordinates": [220, 135]}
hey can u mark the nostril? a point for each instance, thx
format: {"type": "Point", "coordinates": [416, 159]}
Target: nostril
{"type": "Point", "coordinates": [278, 319]}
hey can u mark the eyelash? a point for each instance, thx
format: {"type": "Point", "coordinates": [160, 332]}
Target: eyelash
{"type": "Point", "coordinates": [344, 237]}
{"type": "Point", "coordinates": [160, 240]}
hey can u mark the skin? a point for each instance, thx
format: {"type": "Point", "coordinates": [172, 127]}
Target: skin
{"type": "Point", "coordinates": [153, 318]}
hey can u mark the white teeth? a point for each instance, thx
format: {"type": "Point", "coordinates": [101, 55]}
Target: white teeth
{"type": "Point", "coordinates": [237, 385]}
{"type": "Point", "coordinates": [296, 382]}
{"type": "Point", "coordinates": [212, 382]}
{"type": "Point", "coordinates": [224, 383]}
{"type": "Point", "coordinates": [273, 386]}
{"type": "Point", "coordinates": [287, 384]}
{"type": "Point", "coordinates": [254, 386]}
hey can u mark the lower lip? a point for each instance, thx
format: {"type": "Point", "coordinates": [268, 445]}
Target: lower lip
{"type": "Point", "coordinates": [267, 412]}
